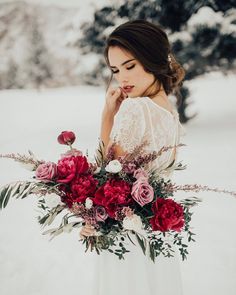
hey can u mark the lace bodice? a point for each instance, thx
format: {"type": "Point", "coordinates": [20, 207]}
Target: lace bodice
{"type": "Point", "coordinates": [140, 119]}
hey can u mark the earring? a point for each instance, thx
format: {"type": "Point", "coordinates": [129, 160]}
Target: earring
{"type": "Point", "coordinates": [169, 60]}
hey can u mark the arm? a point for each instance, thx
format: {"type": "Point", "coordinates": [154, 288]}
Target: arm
{"type": "Point", "coordinates": [106, 126]}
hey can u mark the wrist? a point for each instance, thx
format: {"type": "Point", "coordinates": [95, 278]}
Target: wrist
{"type": "Point", "coordinates": [107, 114]}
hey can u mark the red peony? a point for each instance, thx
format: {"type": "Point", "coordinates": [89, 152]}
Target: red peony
{"type": "Point", "coordinates": [69, 167]}
{"type": "Point", "coordinates": [112, 195]}
{"type": "Point", "coordinates": [169, 215]}
{"type": "Point", "coordinates": [83, 187]}
{"type": "Point", "coordinates": [66, 137]}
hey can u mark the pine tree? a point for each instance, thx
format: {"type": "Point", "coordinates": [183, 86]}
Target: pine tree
{"type": "Point", "coordinates": [39, 67]}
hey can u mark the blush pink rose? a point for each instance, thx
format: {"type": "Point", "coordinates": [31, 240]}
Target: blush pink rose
{"type": "Point", "coordinates": [142, 192]}
{"type": "Point", "coordinates": [72, 152]}
{"type": "Point", "coordinates": [100, 213]}
{"type": "Point", "coordinates": [140, 173]}
{"type": "Point", "coordinates": [46, 171]}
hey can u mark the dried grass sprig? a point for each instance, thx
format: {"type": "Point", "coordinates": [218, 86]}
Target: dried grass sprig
{"type": "Point", "coordinates": [140, 160]}
{"type": "Point", "coordinates": [196, 188]}
{"type": "Point", "coordinates": [24, 159]}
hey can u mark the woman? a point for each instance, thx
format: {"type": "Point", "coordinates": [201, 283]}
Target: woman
{"type": "Point", "coordinates": [139, 56]}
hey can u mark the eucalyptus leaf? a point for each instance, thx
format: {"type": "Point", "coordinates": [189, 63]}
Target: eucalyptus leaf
{"type": "Point", "coordinates": [152, 252]}
{"type": "Point", "coordinates": [141, 243]}
{"type": "Point", "coordinates": [3, 199]}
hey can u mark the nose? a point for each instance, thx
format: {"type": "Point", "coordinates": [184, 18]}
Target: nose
{"type": "Point", "coordinates": [123, 78]}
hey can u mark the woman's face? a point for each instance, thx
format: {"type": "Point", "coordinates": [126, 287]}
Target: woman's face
{"type": "Point", "coordinates": [129, 72]}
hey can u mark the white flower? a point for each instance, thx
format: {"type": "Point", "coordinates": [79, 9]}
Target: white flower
{"type": "Point", "coordinates": [88, 203]}
{"type": "Point", "coordinates": [133, 222]}
{"type": "Point", "coordinates": [114, 167]}
{"type": "Point", "coordinates": [52, 200]}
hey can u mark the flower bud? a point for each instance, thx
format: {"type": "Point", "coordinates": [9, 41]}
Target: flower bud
{"type": "Point", "coordinates": [66, 137]}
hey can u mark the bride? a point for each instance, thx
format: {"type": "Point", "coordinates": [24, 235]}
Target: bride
{"type": "Point", "coordinates": [139, 56]}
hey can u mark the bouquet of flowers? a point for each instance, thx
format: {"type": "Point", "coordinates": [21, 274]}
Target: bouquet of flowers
{"type": "Point", "coordinates": [120, 198]}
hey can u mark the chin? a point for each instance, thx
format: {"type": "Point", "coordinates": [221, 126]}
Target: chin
{"type": "Point", "coordinates": [133, 95]}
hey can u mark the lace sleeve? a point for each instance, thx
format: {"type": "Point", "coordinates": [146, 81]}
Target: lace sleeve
{"type": "Point", "coordinates": [129, 125]}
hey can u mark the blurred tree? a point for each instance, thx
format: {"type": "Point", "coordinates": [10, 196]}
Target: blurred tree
{"type": "Point", "coordinates": [39, 68]}
{"type": "Point", "coordinates": [11, 81]}
{"type": "Point", "coordinates": [202, 33]}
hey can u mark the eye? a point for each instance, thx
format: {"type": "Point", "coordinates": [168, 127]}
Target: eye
{"type": "Point", "coordinates": [130, 67]}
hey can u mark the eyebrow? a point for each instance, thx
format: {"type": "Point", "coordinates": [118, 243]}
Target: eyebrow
{"type": "Point", "coordinates": [125, 62]}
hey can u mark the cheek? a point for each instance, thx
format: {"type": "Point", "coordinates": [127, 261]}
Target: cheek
{"type": "Point", "coordinates": [143, 76]}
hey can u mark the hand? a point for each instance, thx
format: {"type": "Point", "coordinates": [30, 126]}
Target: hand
{"type": "Point", "coordinates": [114, 98]}
{"type": "Point", "coordinates": [87, 231]}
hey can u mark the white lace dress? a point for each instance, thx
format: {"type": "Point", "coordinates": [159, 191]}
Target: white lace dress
{"type": "Point", "coordinates": [139, 119]}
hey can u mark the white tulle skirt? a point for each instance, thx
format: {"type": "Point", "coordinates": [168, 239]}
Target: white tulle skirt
{"type": "Point", "coordinates": [137, 274]}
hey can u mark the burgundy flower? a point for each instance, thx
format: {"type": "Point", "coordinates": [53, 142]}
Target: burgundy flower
{"type": "Point", "coordinates": [169, 215]}
{"type": "Point", "coordinates": [82, 187]}
{"type": "Point", "coordinates": [112, 195]}
{"type": "Point", "coordinates": [66, 137]}
{"type": "Point", "coordinates": [69, 167]}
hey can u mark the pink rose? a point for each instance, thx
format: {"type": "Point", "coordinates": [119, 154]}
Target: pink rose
{"type": "Point", "coordinates": [72, 152]}
{"type": "Point", "coordinates": [142, 192]}
{"type": "Point", "coordinates": [66, 137]}
{"type": "Point", "coordinates": [140, 173]}
{"type": "Point", "coordinates": [46, 171]}
{"type": "Point", "coordinates": [100, 213]}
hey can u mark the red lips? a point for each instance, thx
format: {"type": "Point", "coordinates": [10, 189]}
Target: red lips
{"type": "Point", "coordinates": [128, 88]}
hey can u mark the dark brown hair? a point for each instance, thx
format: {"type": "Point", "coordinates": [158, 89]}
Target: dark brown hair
{"type": "Point", "coordinates": [149, 44]}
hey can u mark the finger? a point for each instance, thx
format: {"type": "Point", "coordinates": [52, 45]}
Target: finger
{"type": "Point", "coordinates": [111, 90]}
{"type": "Point", "coordinates": [116, 93]}
{"type": "Point", "coordinates": [125, 95]}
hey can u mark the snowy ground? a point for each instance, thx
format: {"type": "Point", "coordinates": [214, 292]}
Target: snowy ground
{"type": "Point", "coordinates": [29, 264]}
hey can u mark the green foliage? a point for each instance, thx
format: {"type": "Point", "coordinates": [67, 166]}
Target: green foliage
{"type": "Point", "coordinates": [19, 189]}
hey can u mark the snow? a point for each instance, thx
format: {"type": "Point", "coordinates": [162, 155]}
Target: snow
{"type": "Point", "coordinates": [30, 264]}
{"type": "Point", "coordinates": [206, 16]}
